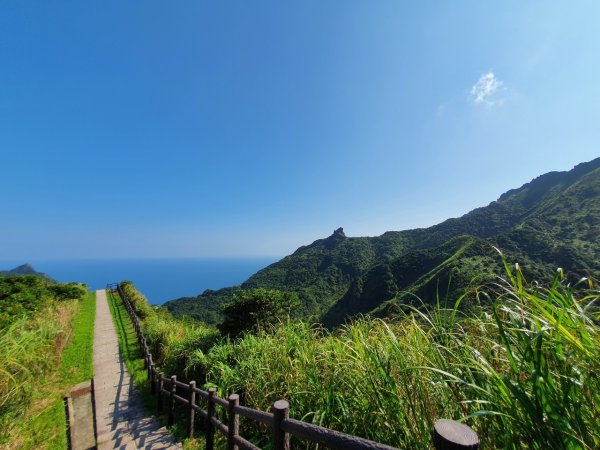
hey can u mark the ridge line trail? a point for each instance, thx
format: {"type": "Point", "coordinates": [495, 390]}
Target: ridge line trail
{"type": "Point", "coordinates": [121, 420]}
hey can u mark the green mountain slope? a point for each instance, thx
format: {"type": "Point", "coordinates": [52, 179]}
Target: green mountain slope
{"type": "Point", "coordinates": [553, 221]}
{"type": "Point", "coordinates": [322, 272]}
{"type": "Point", "coordinates": [205, 307]}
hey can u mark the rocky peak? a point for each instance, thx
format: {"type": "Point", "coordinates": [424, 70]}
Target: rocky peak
{"type": "Point", "coordinates": [337, 237]}
{"type": "Point", "coordinates": [24, 269]}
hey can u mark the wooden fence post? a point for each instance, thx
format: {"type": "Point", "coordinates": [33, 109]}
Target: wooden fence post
{"type": "Point", "coordinates": [453, 435]}
{"type": "Point", "coordinates": [159, 402]}
{"type": "Point", "coordinates": [149, 365]}
{"type": "Point", "coordinates": [171, 418]}
{"type": "Point", "coordinates": [281, 411]}
{"type": "Point", "coordinates": [143, 349]}
{"type": "Point", "coordinates": [152, 379]}
{"type": "Point", "coordinates": [192, 400]}
{"type": "Point", "coordinates": [210, 428]}
{"type": "Point", "coordinates": [233, 424]}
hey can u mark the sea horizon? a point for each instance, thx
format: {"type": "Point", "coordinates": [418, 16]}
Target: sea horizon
{"type": "Point", "coordinates": [159, 279]}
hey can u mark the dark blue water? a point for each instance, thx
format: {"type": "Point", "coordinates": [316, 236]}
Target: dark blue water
{"type": "Point", "coordinates": [159, 280]}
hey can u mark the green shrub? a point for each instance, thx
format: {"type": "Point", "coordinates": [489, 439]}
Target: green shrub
{"type": "Point", "coordinates": [24, 295]}
{"type": "Point", "coordinates": [68, 291]}
{"type": "Point", "coordinates": [256, 308]}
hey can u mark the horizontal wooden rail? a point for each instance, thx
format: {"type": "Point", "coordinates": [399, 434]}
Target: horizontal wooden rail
{"type": "Point", "coordinates": [330, 438]}
{"type": "Point", "coordinates": [185, 401]}
{"type": "Point", "coordinates": [220, 401]}
{"type": "Point", "coordinates": [202, 412]}
{"type": "Point", "coordinates": [448, 434]}
{"type": "Point", "coordinates": [220, 426]}
{"type": "Point", "coordinates": [243, 443]}
{"type": "Point", "coordinates": [182, 385]}
{"type": "Point", "coordinates": [253, 414]}
{"type": "Point", "coordinates": [201, 392]}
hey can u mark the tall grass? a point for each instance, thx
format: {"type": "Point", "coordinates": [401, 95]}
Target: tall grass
{"type": "Point", "coordinates": [174, 341]}
{"type": "Point", "coordinates": [521, 369]}
{"type": "Point", "coordinates": [32, 340]}
{"type": "Point", "coordinates": [138, 301]}
{"type": "Point", "coordinates": [29, 352]}
{"type": "Point", "coordinates": [547, 390]}
{"type": "Point", "coordinates": [520, 366]}
{"type": "Point", "coordinates": [24, 349]}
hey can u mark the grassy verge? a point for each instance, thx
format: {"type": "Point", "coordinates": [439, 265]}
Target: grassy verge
{"type": "Point", "coordinates": [77, 363]}
{"type": "Point", "coordinates": [62, 335]}
{"type": "Point", "coordinates": [130, 350]}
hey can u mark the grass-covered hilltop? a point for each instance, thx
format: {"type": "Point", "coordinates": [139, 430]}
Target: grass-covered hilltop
{"type": "Point", "coordinates": [553, 221]}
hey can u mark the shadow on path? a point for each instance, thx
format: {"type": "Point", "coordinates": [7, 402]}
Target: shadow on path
{"type": "Point", "coordinates": [122, 421]}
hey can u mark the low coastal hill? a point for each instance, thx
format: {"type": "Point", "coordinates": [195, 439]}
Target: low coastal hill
{"type": "Point", "coordinates": [25, 269]}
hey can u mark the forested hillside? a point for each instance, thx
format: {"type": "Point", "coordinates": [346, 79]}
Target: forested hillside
{"type": "Point", "coordinates": [553, 221]}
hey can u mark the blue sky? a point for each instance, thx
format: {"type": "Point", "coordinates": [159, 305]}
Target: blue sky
{"type": "Point", "coordinates": [221, 129]}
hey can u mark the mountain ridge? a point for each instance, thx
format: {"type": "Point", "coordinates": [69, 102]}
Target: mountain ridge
{"type": "Point", "coordinates": [551, 221]}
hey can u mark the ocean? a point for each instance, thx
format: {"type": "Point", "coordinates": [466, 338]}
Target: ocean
{"type": "Point", "coordinates": [159, 280]}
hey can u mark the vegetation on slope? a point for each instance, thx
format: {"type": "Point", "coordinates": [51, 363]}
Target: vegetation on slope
{"type": "Point", "coordinates": [24, 296]}
{"type": "Point", "coordinates": [77, 360]}
{"type": "Point", "coordinates": [520, 367]}
{"type": "Point", "coordinates": [171, 340]}
{"type": "Point", "coordinates": [207, 307]}
{"type": "Point", "coordinates": [553, 221]}
{"type": "Point", "coordinates": [36, 350]}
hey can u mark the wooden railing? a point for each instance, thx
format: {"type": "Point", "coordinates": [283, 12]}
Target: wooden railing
{"type": "Point", "coordinates": [448, 434]}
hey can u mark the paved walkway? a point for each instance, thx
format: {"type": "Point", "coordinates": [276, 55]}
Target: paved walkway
{"type": "Point", "coordinates": [121, 421]}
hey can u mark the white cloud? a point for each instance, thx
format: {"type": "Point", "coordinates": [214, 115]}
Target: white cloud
{"type": "Point", "coordinates": [485, 91]}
